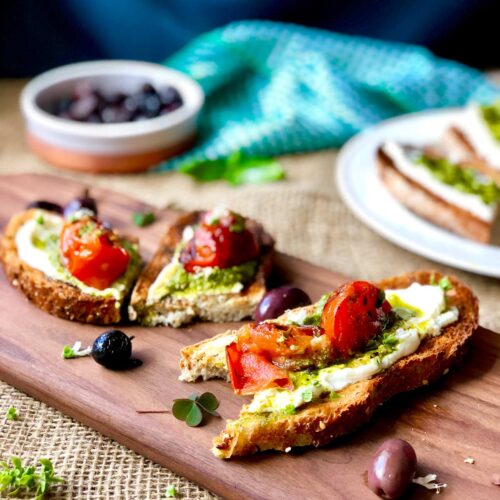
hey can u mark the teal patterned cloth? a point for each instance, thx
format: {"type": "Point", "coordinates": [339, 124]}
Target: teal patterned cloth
{"type": "Point", "coordinates": [276, 88]}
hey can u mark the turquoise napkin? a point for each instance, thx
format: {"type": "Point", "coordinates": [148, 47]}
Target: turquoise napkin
{"type": "Point", "coordinates": [276, 88]}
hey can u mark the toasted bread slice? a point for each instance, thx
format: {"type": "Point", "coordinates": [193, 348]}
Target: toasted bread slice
{"type": "Point", "coordinates": [58, 298]}
{"type": "Point", "coordinates": [320, 422]}
{"type": "Point", "coordinates": [176, 311]}
{"type": "Point", "coordinates": [429, 205]}
{"type": "Point", "coordinates": [460, 148]}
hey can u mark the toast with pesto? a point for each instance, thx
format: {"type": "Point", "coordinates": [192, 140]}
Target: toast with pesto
{"type": "Point", "coordinates": [31, 255]}
{"type": "Point", "coordinates": [423, 325]}
{"type": "Point", "coordinates": [210, 265]}
{"type": "Point", "coordinates": [474, 138]}
{"type": "Point", "coordinates": [454, 196]}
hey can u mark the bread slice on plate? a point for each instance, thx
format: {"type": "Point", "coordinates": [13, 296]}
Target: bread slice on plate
{"type": "Point", "coordinates": [29, 251]}
{"type": "Point", "coordinates": [471, 139]}
{"type": "Point", "coordinates": [154, 302]}
{"type": "Point", "coordinates": [453, 196]}
{"type": "Point", "coordinates": [267, 423]}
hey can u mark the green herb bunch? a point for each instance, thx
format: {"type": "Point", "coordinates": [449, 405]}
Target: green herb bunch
{"type": "Point", "coordinates": [14, 477]}
{"type": "Point", "coordinates": [191, 409]}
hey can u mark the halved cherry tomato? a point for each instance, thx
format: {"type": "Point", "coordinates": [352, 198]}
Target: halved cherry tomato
{"type": "Point", "coordinates": [353, 315]}
{"type": "Point", "coordinates": [224, 243]}
{"type": "Point", "coordinates": [92, 253]}
{"type": "Point", "coordinates": [251, 372]}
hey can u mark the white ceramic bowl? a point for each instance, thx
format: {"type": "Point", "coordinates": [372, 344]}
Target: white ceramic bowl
{"type": "Point", "coordinates": [110, 148]}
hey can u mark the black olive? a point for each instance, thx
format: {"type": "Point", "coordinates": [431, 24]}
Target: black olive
{"type": "Point", "coordinates": [113, 350]}
{"type": "Point", "coordinates": [46, 205]}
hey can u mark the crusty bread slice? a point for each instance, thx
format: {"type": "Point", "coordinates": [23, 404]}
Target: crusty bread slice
{"type": "Point", "coordinates": [206, 360]}
{"type": "Point", "coordinates": [430, 206]}
{"type": "Point", "coordinates": [319, 423]}
{"type": "Point", "coordinates": [177, 311]}
{"type": "Point", "coordinates": [55, 297]}
{"type": "Point", "coordinates": [457, 145]}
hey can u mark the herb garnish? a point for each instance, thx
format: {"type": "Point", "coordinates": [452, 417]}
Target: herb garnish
{"type": "Point", "coordinates": [11, 413]}
{"type": "Point", "coordinates": [69, 352]}
{"type": "Point", "coordinates": [16, 477]}
{"type": "Point", "coordinates": [143, 219]}
{"type": "Point", "coordinates": [171, 491]}
{"type": "Point", "coordinates": [290, 409]}
{"type": "Point", "coordinates": [307, 396]}
{"type": "Point", "coordinates": [40, 220]}
{"type": "Point", "coordinates": [191, 409]}
{"type": "Point", "coordinates": [445, 284]}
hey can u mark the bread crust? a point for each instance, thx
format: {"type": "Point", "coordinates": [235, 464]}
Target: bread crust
{"type": "Point", "coordinates": [457, 144]}
{"type": "Point", "coordinates": [54, 297]}
{"type": "Point", "coordinates": [176, 311]}
{"type": "Point", "coordinates": [429, 206]}
{"type": "Point", "coordinates": [320, 423]}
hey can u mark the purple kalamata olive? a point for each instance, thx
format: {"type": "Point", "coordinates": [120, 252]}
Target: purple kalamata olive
{"type": "Point", "coordinates": [277, 301]}
{"type": "Point", "coordinates": [82, 202]}
{"type": "Point", "coordinates": [392, 468]}
{"type": "Point", "coordinates": [46, 205]}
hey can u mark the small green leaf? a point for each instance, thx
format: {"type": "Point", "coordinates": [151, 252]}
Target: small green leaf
{"type": "Point", "coordinates": [307, 395]}
{"type": "Point", "coordinates": [181, 408]}
{"type": "Point", "coordinates": [445, 284]}
{"type": "Point", "coordinates": [67, 352]}
{"type": "Point", "coordinates": [290, 410]}
{"type": "Point", "coordinates": [208, 401]}
{"type": "Point", "coordinates": [171, 491]}
{"type": "Point", "coordinates": [143, 219]}
{"type": "Point", "coordinates": [11, 413]}
{"type": "Point", "coordinates": [334, 395]}
{"type": "Point", "coordinates": [195, 416]}
{"type": "Point", "coordinates": [40, 220]}
{"type": "Point", "coordinates": [236, 169]}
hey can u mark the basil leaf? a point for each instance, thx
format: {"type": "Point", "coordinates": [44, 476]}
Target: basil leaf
{"type": "Point", "coordinates": [236, 169]}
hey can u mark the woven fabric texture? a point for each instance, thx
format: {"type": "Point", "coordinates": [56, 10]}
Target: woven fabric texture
{"type": "Point", "coordinates": [307, 218]}
{"type": "Point", "coordinates": [276, 88]}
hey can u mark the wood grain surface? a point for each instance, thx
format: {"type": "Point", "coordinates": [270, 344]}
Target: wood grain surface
{"type": "Point", "coordinates": [454, 419]}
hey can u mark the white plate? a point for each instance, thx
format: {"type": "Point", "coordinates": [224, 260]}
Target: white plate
{"type": "Point", "coordinates": [364, 193]}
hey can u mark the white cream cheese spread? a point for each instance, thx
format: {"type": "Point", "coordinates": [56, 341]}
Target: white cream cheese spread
{"type": "Point", "coordinates": [420, 174]}
{"type": "Point", "coordinates": [477, 132]}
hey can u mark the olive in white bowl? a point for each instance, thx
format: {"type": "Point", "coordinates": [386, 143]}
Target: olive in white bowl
{"type": "Point", "coordinates": [110, 144]}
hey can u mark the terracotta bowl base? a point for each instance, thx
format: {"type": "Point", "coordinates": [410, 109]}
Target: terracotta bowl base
{"type": "Point", "coordinates": [104, 164]}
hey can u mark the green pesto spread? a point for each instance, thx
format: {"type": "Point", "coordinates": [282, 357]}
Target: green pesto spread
{"type": "Point", "coordinates": [491, 116]}
{"type": "Point", "coordinates": [466, 180]}
{"type": "Point", "coordinates": [176, 281]}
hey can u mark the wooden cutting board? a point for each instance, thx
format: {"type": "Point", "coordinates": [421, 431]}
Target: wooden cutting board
{"type": "Point", "coordinates": [456, 418]}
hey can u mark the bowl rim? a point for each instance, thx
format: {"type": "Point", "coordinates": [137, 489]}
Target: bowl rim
{"type": "Point", "coordinates": [193, 97]}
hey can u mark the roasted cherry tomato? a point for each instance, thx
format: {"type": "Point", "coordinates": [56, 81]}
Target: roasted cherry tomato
{"type": "Point", "coordinates": [92, 253]}
{"type": "Point", "coordinates": [251, 372]}
{"type": "Point", "coordinates": [224, 243]}
{"type": "Point", "coordinates": [353, 315]}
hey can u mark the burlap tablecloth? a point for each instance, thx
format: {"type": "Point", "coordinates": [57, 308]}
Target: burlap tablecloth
{"type": "Point", "coordinates": [308, 220]}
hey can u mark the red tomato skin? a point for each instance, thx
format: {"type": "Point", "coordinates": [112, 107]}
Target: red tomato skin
{"type": "Point", "coordinates": [93, 258]}
{"type": "Point", "coordinates": [217, 245]}
{"type": "Point", "coordinates": [250, 372]}
{"type": "Point", "coordinates": [353, 315]}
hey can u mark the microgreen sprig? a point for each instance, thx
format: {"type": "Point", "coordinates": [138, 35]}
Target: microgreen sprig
{"type": "Point", "coordinates": [11, 414]}
{"type": "Point", "coordinates": [76, 351]}
{"type": "Point", "coordinates": [191, 409]}
{"type": "Point", "coordinates": [143, 219]}
{"type": "Point", "coordinates": [14, 477]}
{"type": "Point", "coordinates": [171, 491]}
